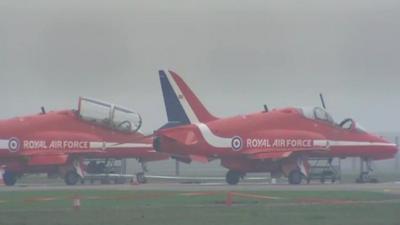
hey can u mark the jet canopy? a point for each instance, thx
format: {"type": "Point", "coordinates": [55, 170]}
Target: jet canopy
{"type": "Point", "coordinates": [109, 115]}
{"type": "Point", "coordinates": [317, 113]}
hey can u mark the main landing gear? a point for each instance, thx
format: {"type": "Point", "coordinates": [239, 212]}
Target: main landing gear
{"type": "Point", "coordinates": [9, 178]}
{"type": "Point", "coordinates": [71, 177]}
{"type": "Point", "coordinates": [295, 177]}
{"type": "Point", "coordinates": [365, 172]}
{"type": "Point", "coordinates": [298, 172]}
{"type": "Point", "coordinates": [233, 177]}
{"type": "Point", "coordinates": [141, 178]}
{"type": "Point", "coordinates": [74, 174]}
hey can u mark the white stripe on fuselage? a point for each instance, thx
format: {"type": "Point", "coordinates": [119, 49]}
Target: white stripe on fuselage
{"type": "Point", "coordinates": [133, 145]}
{"type": "Point", "coordinates": [182, 99]}
{"type": "Point", "coordinates": [4, 144]}
{"type": "Point", "coordinates": [106, 145]}
{"type": "Point", "coordinates": [358, 143]}
{"type": "Point", "coordinates": [211, 138]}
{"type": "Point", "coordinates": [226, 142]}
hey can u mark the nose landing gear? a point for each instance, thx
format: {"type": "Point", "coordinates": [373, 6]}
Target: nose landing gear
{"type": "Point", "coordinates": [365, 170]}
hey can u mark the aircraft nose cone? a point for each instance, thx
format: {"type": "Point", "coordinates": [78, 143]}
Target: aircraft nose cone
{"type": "Point", "coordinates": [395, 149]}
{"type": "Point", "coordinates": [389, 149]}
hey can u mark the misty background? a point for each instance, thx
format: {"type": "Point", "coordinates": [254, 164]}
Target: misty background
{"type": "Point", "coordinates": [236, 55]}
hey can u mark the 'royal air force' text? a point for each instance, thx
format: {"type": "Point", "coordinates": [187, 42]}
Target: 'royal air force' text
{"type": "Point", "coordinates": [253, 143]}
{"type": "Point", "coordinates": [54, 145]}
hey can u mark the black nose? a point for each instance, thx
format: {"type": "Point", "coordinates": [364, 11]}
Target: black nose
{"type": "Point", "coordinates": [157, 144]}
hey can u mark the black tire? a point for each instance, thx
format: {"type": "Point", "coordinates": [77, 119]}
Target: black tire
{"type": "Point", "coordinates": [141, 179]}
{"type": "Point", "coordinates": [374, 180]}
{"type": "Point", "coordinates": [295, 177]}
{"type": "Point", "coordinates": [71, 178]}
{"type": "Point", "coordinates": [9, 178]}
{"type": "Point", "coordinates": [232, 177]}
{"type": "Point", "coordinates": [363, 178]}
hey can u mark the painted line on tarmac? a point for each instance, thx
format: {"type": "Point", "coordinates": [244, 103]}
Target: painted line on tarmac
{"type": "Point", "coordinates": [207, 193]}
{"type": "Point", "coordinates": [42, 199]}
{"type": "Point", "coordinates": [254, 196]}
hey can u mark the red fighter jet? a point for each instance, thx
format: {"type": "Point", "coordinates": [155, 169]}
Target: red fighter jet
{"type": "Point", "coordinates": [278, 141]}
{"type": "Point", "coordinates": [57, 142]}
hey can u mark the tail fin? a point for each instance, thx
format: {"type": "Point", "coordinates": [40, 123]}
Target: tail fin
{"type": "Point", "coordinates": [182, 105]}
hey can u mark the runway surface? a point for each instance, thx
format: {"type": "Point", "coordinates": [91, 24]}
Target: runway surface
{"type": "Point", "coordinates": [391, 187]}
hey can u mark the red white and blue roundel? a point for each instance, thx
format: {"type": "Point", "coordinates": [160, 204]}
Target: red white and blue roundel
{"type": "Point", "coordinates": [237, 143]}
{"type": "Point", "coordinates": [14, 144]}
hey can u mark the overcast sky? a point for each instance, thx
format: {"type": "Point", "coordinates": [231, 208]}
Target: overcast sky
{"type": "Point", "coordinates": [236, 55]}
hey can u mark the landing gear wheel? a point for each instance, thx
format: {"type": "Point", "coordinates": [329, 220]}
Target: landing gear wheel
{"type": "Point", "coordinates": [295, 177]}
{"type": "Point", "coordinates": [232, 177]}
{"type": "Point", "coordinates": [374, 180]}
{"type": "Point", "coordinates": [363, 178]}
{"type": "Point", "coordinates": [141, 179]}
{"type": "Point", "coordinates": [71, 178]}
{"type": "Point", "coordinates": [9, 178]}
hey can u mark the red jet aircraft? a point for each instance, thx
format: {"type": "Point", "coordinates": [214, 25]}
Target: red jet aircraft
{"type": "Point", "coordinates": [57, 142]}
{"type": "Point", "coordinates": [277, 141]}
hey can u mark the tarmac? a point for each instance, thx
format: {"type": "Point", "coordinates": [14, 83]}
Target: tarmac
{"type": "Point", "coordinates": [389, 187]}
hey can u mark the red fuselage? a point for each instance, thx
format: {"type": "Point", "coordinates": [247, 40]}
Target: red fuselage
{"type": "Point", "coordinates": [273, 135]}
{"type": "Point", "coordinates": [40, 142]}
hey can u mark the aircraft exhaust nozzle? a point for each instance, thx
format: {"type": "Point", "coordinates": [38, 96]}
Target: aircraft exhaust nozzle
{"type": "Point", "coordinates": [157, 144]}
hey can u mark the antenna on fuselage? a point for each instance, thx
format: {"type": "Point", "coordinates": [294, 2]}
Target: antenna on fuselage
{"type": "Point", "coordinates": [265, 108]}
{"type": "Point", "coordinates": [322, 100]}
{"type": "Point", "coordinates": [43, 110]}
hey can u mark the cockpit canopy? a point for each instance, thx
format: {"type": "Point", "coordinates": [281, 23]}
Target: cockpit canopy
{"type": "Point", "coordinates": [318, 113]}
{"type": "Point", "coordinates": [109, 115]}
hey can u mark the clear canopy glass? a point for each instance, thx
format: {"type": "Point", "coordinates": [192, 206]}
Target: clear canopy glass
{"type": "Point", "coordinates": [317, 113]}
{"type": "Point", "coordinates": [109, 115]}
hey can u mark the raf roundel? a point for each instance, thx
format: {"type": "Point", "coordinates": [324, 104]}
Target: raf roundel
{"type": "Point", "coordinates": [14, 144]}
{"type": "Point", "coordinates": [237, 143]}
